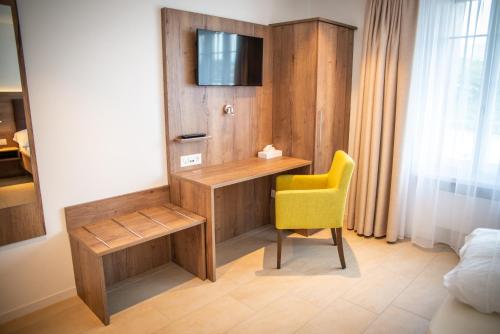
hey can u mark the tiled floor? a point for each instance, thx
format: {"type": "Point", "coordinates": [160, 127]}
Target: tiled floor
{"type": "Point", "coordinates": [386, 288]}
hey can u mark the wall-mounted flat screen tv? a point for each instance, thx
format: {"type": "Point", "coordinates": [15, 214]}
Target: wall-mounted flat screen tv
{"type": "Point", "coordinates": [226, 59]}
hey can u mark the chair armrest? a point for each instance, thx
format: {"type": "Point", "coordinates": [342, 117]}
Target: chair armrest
{"type": "Point", "coordinates": [318, 208]}
{"type": "Point", "coordinates": [301, 182]}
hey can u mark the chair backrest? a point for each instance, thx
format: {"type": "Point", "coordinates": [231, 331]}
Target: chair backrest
{"type": "Point", "coordinates": [340, 173]}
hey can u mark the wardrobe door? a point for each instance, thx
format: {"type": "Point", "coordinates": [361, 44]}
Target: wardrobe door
{"type": "Point", "coordinates": [333, 93]}
{"type": "Point", "coordinates": [294, 88]}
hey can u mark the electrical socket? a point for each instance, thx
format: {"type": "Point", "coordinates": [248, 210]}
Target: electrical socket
{"type": "Point", "coordinates": [3, 141]}
{"type": "Point", "coordinates": [190, 160]}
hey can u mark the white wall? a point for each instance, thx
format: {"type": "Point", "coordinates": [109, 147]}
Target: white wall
{"type": "Point", "coordinates": [94, 72]}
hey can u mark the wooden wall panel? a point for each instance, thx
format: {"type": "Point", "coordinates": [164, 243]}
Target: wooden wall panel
{"type": "Point", "coordinates": [191, 108]}
{"type": "Point", "coordinates": [242, 207]}
{"type": "Point", "coordinates": [294, 88]}
{"type": "Point", "coordinates": [136, 260]}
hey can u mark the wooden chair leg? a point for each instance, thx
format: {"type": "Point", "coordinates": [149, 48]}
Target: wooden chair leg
{"type": "Point", "coordinates": [334, 236]}
{"type": "Point", "coordinates": [340, 247]}
{"type": "Point", "coordinates": [278, 258]}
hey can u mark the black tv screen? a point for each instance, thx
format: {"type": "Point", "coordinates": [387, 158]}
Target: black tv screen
{"type": "Point", "coordinates": [226, 59]}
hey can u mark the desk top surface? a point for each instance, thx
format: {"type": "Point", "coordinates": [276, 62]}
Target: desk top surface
{"type": "Point", "coordinates": [217, 176]}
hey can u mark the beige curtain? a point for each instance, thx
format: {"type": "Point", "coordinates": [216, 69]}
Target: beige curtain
{"type": "Point", "coordinates": [389, 35]}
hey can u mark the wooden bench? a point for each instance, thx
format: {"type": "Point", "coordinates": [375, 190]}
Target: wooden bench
{"type": "Point", "coordinates": [115, 247]}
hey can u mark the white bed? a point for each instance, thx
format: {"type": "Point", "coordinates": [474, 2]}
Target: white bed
{"type": "Point", "coordinates": [22, 139]}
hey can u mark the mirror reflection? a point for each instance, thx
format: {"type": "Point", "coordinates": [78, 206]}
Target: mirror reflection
{"type": "Point", "coordinates": [20, 209]}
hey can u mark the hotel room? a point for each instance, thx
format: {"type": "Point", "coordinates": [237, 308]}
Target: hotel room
{"type": "Point", "coordinates": [250, 166]}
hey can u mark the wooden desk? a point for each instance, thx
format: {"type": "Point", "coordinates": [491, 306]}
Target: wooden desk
{"type": "Point", "coordinates": [197, 190]}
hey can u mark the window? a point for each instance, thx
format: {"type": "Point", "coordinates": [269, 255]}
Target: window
{"type": "Point", "coordinates": [470, 111]}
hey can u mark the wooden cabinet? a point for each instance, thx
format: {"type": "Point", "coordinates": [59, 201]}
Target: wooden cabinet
{"type": "Point", "coordinates": [312, 69]}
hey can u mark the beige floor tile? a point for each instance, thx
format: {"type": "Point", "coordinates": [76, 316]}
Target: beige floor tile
{"type": "Point", "coordinates": [43, 314]}
{"type": "Point", "coordinates": [423, 296]}
{"type": "Point", "coordinates": [284, 315]}
{"type": "Point", "coordinates": [323, 290]}
{"type": "Point", "coordinates": [398, 321]}
{"type": "Point", "coordinates": [189, 297]}
{"type": "Point", "coordinates": [142, 287]}
{"type": "Point", "coordinates": [340, 317]}
{"type": "Point", "coordinates": [215, 317]}
{"type": "Point", "coordinates": [75, 319]}
{"type": "Point", "coordinates": [426, 293]}
{"type": "Point", "coordinates": [140, 318]}
{"type": "Point", "coordinates": [409, 260]}
{"type": "Point", "coordinates": [441, 264]}
{"type": "Point", "coordinates": [377, 290]}
{"type": "Point", "coordinates": [400, 283]}
{"type": "Point", "coordinates": [263, 290]}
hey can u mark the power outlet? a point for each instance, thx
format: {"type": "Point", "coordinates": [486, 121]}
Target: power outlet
{"type": "Point", "coordinates": [190, 160]}
{"type": "Point", "coordinates": [3, 141]}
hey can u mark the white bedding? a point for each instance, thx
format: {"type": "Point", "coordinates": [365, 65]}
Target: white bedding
{"type": "Point", "coordinates": [25, 150]}
{"type": "Point", "coordinates": [476, 278]}
{"type": "Point", "coordinates": [21, 137]}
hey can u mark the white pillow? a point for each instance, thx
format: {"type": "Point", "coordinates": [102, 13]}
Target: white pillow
{"type": "Point", "coordinates": [476, 278]}
{"type": "Point", "coordinates": [21, 137]}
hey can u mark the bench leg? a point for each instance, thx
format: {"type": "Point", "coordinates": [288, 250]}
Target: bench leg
{"type": "Point", "coordinates": [89, 279]}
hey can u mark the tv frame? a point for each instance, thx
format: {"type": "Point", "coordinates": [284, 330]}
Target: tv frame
{"type": "Point", "coordinates": [223, 85]}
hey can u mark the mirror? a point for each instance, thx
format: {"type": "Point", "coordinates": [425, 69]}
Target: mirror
{"type": "Point", "coordinates": [21, 215]}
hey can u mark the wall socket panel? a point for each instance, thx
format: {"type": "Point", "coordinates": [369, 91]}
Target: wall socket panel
{"type": "Point", "coordinates": [191, 160]}
{"type": "Point", "coordinates": [3, 141]}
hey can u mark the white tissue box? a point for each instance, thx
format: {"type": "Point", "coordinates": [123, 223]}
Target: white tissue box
{"type": "Point", "coordinates": [270, 154]}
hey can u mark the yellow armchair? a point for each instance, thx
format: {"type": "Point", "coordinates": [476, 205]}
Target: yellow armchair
{"type": "Point", "coordinates": [314, 201]}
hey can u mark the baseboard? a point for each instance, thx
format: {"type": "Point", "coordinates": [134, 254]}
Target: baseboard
{"type": "Point", "coordinates": [36, 305]}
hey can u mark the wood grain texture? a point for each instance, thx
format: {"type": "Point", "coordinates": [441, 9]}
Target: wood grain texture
{"type": "Point", "coordinates": [315, 19]}
{"type": "Point", "coordinates": [241, 207]}
{"type": "Point", "coordinates": [32, 220]}
{"type": "Point", "coordinates": [90, 281]}
{"type": "Point", "coordinates": [335, 47]}
{"type": "Point", "coordinates": [189, 251]}
{"type": "Point", "coordinates": [110, 235]}
{"type": "Point", "coordinates": [312, 87]}
{"type": "Point", "coordinates": [234, 172]}
{"type": "Point", "coordinates": [191, 108]}
{"type": "Point", "coordinates": [86, 213]}
{"type": "Point", "coordinates": [135, 260]}
{"type": "Point", "coordinates": [20, 223]}
{"type": "Point", "coordinates": [113, 244]}
{"type": "Point", "coordinates": [294, 84]}
{"type": "Point", "coordinates": [234, 197]}
{"type": "Point", "coordinates": [200, 200]}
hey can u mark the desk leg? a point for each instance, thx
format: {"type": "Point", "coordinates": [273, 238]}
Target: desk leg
{"type": "Point", "coordinates": [200, 200]}
{"type": "Point", "coordinates": [89, 279]}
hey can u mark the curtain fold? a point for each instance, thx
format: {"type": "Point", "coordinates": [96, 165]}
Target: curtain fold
{"type": "Point", "coordinates": [449, 175]}
{"type": "Point", "coordinates": [385, 76]}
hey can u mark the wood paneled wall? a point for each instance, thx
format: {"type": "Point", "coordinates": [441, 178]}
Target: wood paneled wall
{"type": "Point", "coordinates": [191, 108]}
{"type": "Point", "coordinates": [312, 89]}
